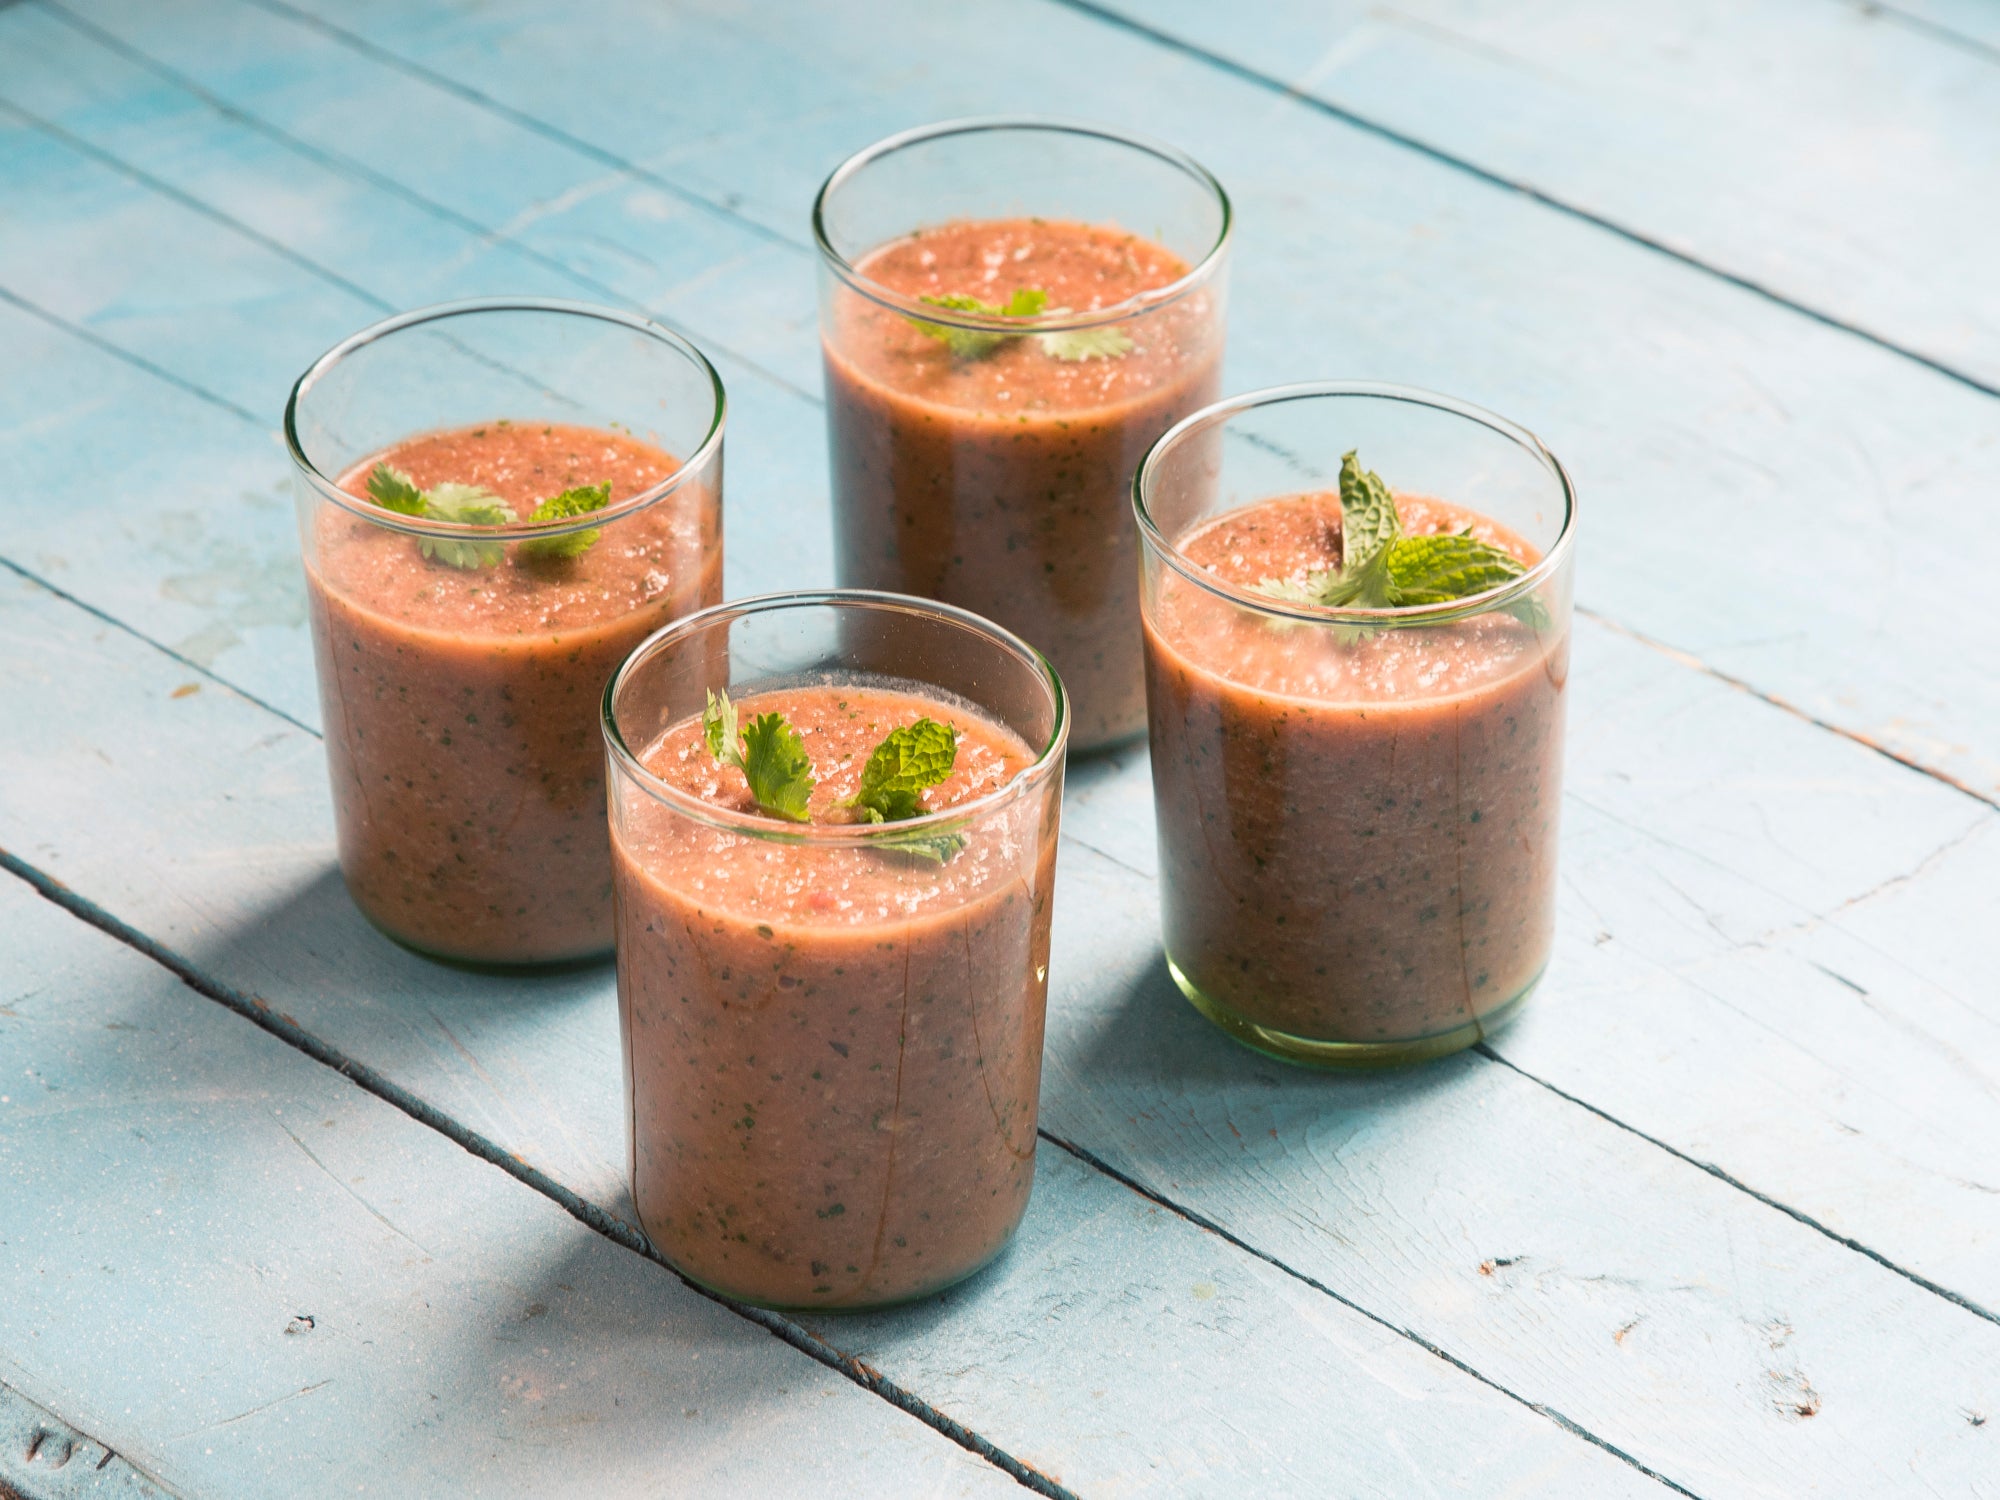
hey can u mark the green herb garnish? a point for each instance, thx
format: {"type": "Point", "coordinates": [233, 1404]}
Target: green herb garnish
{"type": "Point", "coordinates": [772, 757]}
{"type": "Point", "coordinates": [770, 754]}
{"type": "Point", "coordinates": [462, 504]}
{"type": "Point", "coordinates": [580, 501]}
{"type": "Point", "coordinates": [908, 762]}
{"type": "Point", "coordinates": [1380, 568]}
{"type": "Point", "coordinates": [465, 505]}
{"type": "Point", "coordinates": [392, 489]}
{"type": "Point", "coordinates": [1027, 302]}
{"type": "Point", "coordinates": [1086, 343]}
{"type": "Point", "coordinates": [977, 343]}
{"type": "Point", "coordinates": [474, 505]}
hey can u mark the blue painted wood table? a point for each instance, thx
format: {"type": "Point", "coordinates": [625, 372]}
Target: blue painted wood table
{"type": "Point", "coordinates": [285, 1211]}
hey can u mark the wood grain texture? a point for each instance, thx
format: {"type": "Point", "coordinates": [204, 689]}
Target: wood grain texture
{"type": "Point", "coordinates": [1764, 964]}
{"type": "Point", "coordinates": [239, 878]}
{"type": "Point", "coordinates": [1652, 914]}
{"type": "Point", "coordinates": [1969, 23]}
{"type": "Point", "coordinates": [537, 1068]}
{"type": "Point", "coordinates": [255, 1278]}
{"type": "Point", "coordinates": [42, 1457]}
{"type": "Point", "coordinates": [1826, 156]}
{"type": "Point", "coordinates": [1681, 403]}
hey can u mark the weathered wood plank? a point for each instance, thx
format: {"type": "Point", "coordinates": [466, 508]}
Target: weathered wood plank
{"type": "Point", "coordinates": [1683, 404]}
{"type": "Point", "coordinates": [42, 1457]}
{"type": "Point", "coordinates": [255, 1278]}
{"type": "Point", "coordinates": [1096, 1265]}
{"type": "Point", "coordinates": [406, 201]}
{"type": "Point", "coordinates": [1721, 1343]}
{"type": "Point", "coordinates": [208, 831]}
{"type": "Point", "coordinates": [1973, 23]}
{"type": "Point", "coordinates": [1645, 908]}
{"type": "Point", "coordinates": [1649, 923]}
{"type": "Point", "coordinates": [1830, 152]}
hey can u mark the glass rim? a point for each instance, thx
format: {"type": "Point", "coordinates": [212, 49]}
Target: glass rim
{"type": "Point", "coordinates": [517, 530]}
{"type": "Point", "coordinates": [1546, 567]}
{"type": "Point", "coordinates": [1137, 304]}
{"type": "Point", "coordinates": [1048, 757]}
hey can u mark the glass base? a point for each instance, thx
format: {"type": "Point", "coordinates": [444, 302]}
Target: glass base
{"type": "Point", "coordinates": [1311, 1052]}
{"type": "Point", "coordinates": [501, 968]}
{"type": "Point", "coordinates": [864, 1305]}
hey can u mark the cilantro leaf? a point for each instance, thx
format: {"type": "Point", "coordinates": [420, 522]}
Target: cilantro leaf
{"type": "Point", "coordinates": [908, 761]}
{"type": "Point", "coordinates": [977, 343]}
{"type": "Point", "coordinates": [464, 505]}
{"type": "Point", "coordinates": [392, 489]}
{"type": "Point", "coordinates": [578, 501]}
{"type": "Point", "coordinates": [1086, 343]}
{"type": "Point", "coordinates": [718, 727]}
{"type": "Point", "coordinates": [777, 767]}
{"type": "Point", "coordinates": [770, 754]}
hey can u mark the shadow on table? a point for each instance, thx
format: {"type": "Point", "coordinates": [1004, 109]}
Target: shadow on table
{"type": "Point", "coordinates": [312, 933]}
{"type": "Point", "coordinates": [1146, 1034]}
{"type": "Point", "coordinates": [1141, 1083]}
{"type": "Point", "coordinates": [528, 1060]}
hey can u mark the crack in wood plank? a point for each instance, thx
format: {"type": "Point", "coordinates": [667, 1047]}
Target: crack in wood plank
{"type": "Point", "coordinates": [334, 1178]}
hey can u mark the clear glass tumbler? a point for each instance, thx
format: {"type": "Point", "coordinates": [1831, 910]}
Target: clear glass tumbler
{"type": "Point", "coordinates": [1357, 807]}
{"type": "Point", "coordinates": [832, 1031]}
{"type": "Point", "coordinates": [461, 646]}
{"type": "Point", "coordinates": [982, 447]}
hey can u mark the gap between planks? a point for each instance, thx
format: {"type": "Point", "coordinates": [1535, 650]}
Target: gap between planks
{"type": "Point", "coordinates": [613, 1228]}
{"type": "Point", "coordinates": [1202, 1221]}
{"type": "Point", "coordinates": [358, 43]}
{"type": "Point", "coordinates": [89, 912]}
{"type": "Point", "coordinates": [1937, 31]}
{"type": "Point", "coordinates": [113, 162]}
{"type": "Point", "coordinates": [1626, 232]}
{"type": "Point", "coordinates": [1107, 16]}
{"type": "Point", "coordinates": [355, 171]}
{"type": "Point", "coordinates": [1695, 663]}
{"type": "Point", "coordinates": [1487, 1051]}
{"type": "Point", "coordinates": [339, 165]}
{"type": "Point", "coordinates": [479, 1145]}
{"type": "Point", "coordinates": [363, 1077]}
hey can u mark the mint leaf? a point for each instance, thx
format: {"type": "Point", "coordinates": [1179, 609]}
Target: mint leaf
{"type": "Point", "coordinates": [777, 767]}
{"type": "Point", "coordinates": [931, 846]}
{"type": "Point", "coordinates": [578, 501]}
{"type": "Point", "coordinates": [1380, 568]}
{"type": "Point", "coordinates": [908, 760]}
{"type": "Point", "coordinates": [392, 489]}
{"type": "Point", "coordinates": [1368, 519]}
{"type": "Point", "coordinates": [1438, 569]}
{"type": "Point", "coordinates": [465, 505]}
{"type": "Point", "coordinates": [977, 343]}
{"type": "Point", "coordinates": [1086, 343]}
